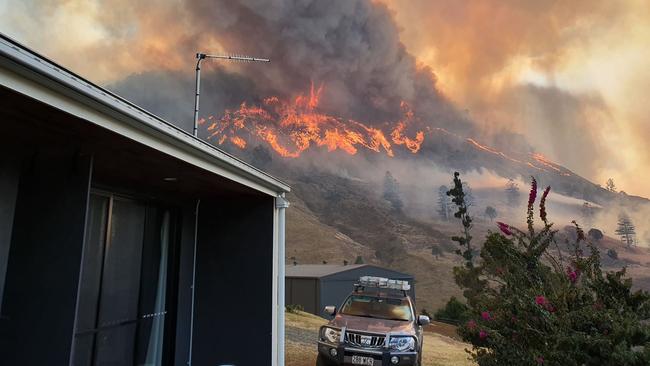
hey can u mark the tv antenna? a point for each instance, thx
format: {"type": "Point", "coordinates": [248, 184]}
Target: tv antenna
{"type": "Point", "coordinates": [202, 56]}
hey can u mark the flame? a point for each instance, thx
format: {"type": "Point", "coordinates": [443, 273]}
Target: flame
{"type": "Point", "coordinates": [548, 163]}
{"type": "Point", "coordinates": [290, 128]}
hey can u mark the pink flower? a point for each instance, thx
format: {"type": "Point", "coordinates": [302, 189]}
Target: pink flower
{"type": "Point", "coordinates": [505, 228]}
{"type": "Point", "coordinates": [533, 194]}
{"type": "Point", "coordinates": [542, 204]}
{"type": "Point", "coordinates": [573, 274]}
{"type": "Point", "coordinates": [486, 316]}
{"type": "Point", "coordinates": [482, 334]}
{"type": "Point", "coordinates": [550, 308]}
{"type": "Point", "coordinates": [540, 300]}
{"type": "Point", "coordinates": [471, 324]}
{"type": "Point", "coordinates": [540, 360]}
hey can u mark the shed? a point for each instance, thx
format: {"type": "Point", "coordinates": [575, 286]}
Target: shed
{"type": "Point", "coordinates": [314, 286]}
{"type": "Point", "coordinates": [120, 234]}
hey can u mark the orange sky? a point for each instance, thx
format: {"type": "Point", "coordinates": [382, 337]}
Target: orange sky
{"type": "Point", "coordinates": [571, 76]}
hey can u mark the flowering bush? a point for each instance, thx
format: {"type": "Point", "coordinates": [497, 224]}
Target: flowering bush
{"type": "Point", "coordinates": [535, 303]}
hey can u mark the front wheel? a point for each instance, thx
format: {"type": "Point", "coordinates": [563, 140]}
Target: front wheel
{"type": "Point", "coordinates": [322, 361]}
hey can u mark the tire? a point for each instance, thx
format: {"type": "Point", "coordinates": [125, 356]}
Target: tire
{"type": "Point", "coordinates": [322, 361]}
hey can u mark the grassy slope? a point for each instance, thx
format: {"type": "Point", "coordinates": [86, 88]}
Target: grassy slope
{"type": "Point", "coordinates": [302, 332]}
{"type": "Point", "coordinates": [336, 219]}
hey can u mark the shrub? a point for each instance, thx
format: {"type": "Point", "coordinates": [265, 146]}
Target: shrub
{"type": "Point", "coordinates": [294, 308]}
{"type": "Point", "coordinates": [612, 253]}
{"type": "Point", "coordinates": [533, 303]}
{"type": "Point", "coordinates": [454, 312]}
{"type": "Point", "coordinates": [595, 234]}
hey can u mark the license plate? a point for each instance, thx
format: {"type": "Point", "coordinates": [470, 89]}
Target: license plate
{"type": "Point", "coordinates": [360, 360]}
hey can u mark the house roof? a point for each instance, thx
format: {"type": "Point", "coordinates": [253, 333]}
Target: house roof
{"type": "Point", "coordinates": [31, 74]}
{"type": "Point", "coordinates": [325, 270]}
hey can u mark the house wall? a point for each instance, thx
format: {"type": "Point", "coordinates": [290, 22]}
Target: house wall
{"type": "Point", "coordinates": [234, 283]}
{"type": "Point", "coordinates": [9, 175]}
{"type": "Point", "coordinates": [40, 293]}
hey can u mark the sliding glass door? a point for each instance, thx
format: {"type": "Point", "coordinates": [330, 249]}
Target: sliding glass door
{"type": "Point", "coordinates": [122, 311]}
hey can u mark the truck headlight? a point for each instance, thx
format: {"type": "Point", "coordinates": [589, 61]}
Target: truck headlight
{"type": "Point", "coordinates": [331, 335]}
{"type": "Point", "coordinates": [402, 344]}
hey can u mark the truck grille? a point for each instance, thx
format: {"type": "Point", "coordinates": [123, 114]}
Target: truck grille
{"type": "Point", "coordinates": [364, 340]}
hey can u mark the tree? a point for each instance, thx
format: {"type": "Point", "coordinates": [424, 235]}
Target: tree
{"type": "Point", "coordinates": [587, 212]}
{"type": "Point", "coordinates": [469, 194]}
{"type": "Point", "coordinates": [454, 312]}
{"type": "Point", "coordinates": [261, 157]}
{"type": "Point", "coordinates": [533, 304]}
{"type": "Point", "coordinates": [359, 260]}
{"type": "Point", "coordinates": [436, 251]}
{"type": "Point", "coordinates": [444, 203]}
{"type": "Point", "coordinates": [512, 193]}
{"type": "Point", "coordinates": [626, 230]}
{"type": "Point", "coordinates": [491, 213]}
{"type": "Point", "coordinates": [595, 234]}
{"type": "Point", "coordinates": [391, 192]}
{"type": "Point", "coordinates": [610, 186]}
{"type": "Point", "coordinates": [612, 253]}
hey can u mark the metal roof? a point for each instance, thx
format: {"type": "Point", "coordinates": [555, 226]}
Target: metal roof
{"type": "Point", "coordinates": [325, 270]}
{"type": "Point", "coordinates": [26, 63]}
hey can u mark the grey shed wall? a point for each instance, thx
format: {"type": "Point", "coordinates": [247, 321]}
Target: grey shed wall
{"type": "Point", "coordinates": [333, 289]}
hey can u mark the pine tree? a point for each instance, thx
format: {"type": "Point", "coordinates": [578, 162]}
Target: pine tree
{"type": "Point", "coordinates": [444, 203]}
{"type": "Point", "coordinates": [512, 193]}
{"type": "Point", "coordinates": [626, 230]}
{"type": "Point", "coordinates": [610, 186]}
{"type": "Point", "coordinates": [359, 260]}
{"type": "Point", "coordinates": [391, 192]}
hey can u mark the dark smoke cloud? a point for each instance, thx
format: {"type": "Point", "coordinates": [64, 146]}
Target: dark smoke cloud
{"type": "Point", "coordinates": [352, 47]}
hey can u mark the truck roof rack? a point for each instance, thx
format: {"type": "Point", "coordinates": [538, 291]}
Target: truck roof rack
{"type": "Point", "coordinates": [382, 283]}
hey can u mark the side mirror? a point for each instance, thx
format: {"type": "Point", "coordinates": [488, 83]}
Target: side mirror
{"type": "Point", "coordinates": [331, 310]}
{"type": "Point", "coordinates": [423, 320]}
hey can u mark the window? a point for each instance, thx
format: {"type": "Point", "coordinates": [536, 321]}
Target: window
{"type": "Point", "coordinates": [378, 307]}
{"type": "Point", "coordinates": [123, 301]}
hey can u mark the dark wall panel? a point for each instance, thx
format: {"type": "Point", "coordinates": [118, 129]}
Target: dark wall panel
{"type": "Point", "coordinates": [303, 292]}
{"type": "Point", "coordinates": [9, 173]}
{"type": "Point", "coordinates": [233, 315]}
{"type": "Point", "coordinates": [44, 259]}
{"type": "Point", "coordinates": [184, 311]}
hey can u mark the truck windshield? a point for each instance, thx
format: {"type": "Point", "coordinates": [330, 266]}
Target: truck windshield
{"type": "Point", "coordinates": [377, 307]}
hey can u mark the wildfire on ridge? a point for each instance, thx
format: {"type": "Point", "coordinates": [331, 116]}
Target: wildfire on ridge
{"type": "Point", "coordinates": [290, 128]}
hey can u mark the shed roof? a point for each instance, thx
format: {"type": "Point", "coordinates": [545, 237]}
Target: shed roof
{"type": "Point", "coordinates": [29, 73]}
{"type": "Point", "coordinates": [325, 270]}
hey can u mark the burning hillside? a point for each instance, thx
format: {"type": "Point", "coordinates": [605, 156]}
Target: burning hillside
{"type": "Point", "coordinates": [293, 126]}
{"type": "Point", "coordinates": [290, 128]}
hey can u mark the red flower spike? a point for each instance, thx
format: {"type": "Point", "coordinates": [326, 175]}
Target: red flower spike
{"type": "Point", "coordinates": [542, 204]}
{"type": "Point", "coordinates": [505, 228]}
